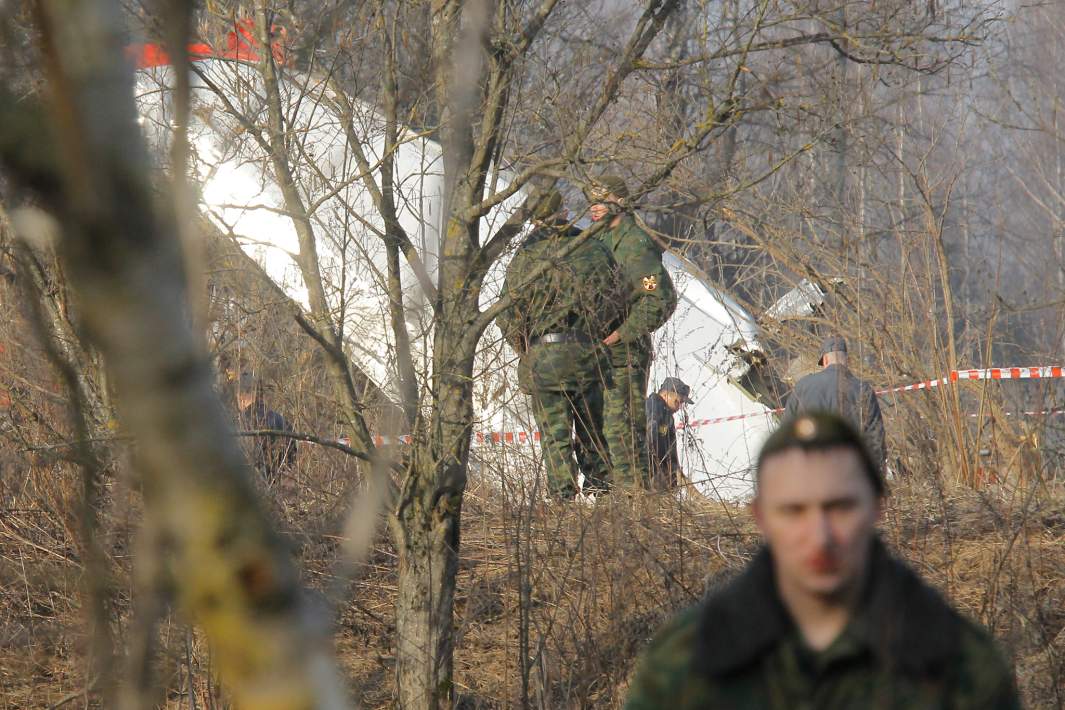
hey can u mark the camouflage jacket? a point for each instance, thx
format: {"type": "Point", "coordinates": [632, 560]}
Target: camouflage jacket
{"type": "Point", "coordinates": [904, 648]}
{"type": "Point", "coordinates": [651, 297]}
{"type": "Point", "coordinates": [836, 389]}
{"type": "Point", "coordinates": [577, 294]}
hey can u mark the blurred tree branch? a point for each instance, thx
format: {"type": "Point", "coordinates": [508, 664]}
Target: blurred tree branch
{"type": "Point", "coordinates": [121, 248]}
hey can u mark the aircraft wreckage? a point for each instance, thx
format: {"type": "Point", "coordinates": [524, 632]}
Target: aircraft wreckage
{"type": "Point", "coordinates": [711, 342]}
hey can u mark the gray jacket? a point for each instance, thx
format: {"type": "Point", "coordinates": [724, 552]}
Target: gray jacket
{"type": "Point", "coordinates": [836, 389]}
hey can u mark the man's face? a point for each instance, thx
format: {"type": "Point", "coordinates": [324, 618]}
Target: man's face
{"type": "Point", "coordinates": [599, 210]}
{"type": "Point", "coordinates": [817, 511]}
{"type": "Point", "coordinates": [673, 400]}
{"type": "Point", "coordinates": [245, 398]}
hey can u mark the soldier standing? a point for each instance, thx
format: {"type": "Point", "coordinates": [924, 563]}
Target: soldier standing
{"type": "Point", "coordinates": [660, 407]}
{"type": "Point", "coordinates": [834, 388]}
{"type": "Point", "coordinates": [823, 616]}
{"type": "Point", "coordinates": [556, 324]}
{"type": "Point", "coordinates": [649, 301]}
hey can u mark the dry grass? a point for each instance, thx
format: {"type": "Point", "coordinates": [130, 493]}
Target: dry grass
{"type": "Point", "coordinates": [601, 579]}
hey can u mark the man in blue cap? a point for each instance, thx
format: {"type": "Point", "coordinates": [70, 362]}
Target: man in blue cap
{"type": "Point", "coordinates": [660, 407]}
{"type": "Point", "coordinates": [269, 453]}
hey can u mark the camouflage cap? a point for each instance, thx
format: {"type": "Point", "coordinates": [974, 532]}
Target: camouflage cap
{"type": "Point", "coordinates": [607, 185]}
{"type": "Point", "coordinates": [549, 205]}
{"type": "Point", "coordinates": [818, 431]}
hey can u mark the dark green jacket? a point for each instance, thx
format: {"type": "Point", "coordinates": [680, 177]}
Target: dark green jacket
{"type": "Point", "coordinates": [905, 648]}
{"type": "Point", "coordinates": [578, 293]}
{"type": "Point", "coordinates": [651, 297]}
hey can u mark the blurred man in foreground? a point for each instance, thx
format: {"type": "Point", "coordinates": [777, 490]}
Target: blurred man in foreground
{"type": "Point", "coordinates": [824, 616]}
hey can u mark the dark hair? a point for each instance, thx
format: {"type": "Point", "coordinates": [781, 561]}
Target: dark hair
{"type": "Point", "coordinates": [820, 431]}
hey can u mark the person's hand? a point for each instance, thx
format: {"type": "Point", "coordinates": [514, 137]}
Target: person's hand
{"type": "Point", "coordinates": [612, 339]}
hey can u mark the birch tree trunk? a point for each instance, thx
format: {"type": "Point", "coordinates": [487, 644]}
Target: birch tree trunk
{"type": "Point", "coordinates": [121, 249]}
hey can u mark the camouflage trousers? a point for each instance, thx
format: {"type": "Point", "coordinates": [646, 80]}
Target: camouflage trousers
{"type": "Point", "coordinates": [570, 424]}
{"type": "Point", "coordinates": [624, 418]}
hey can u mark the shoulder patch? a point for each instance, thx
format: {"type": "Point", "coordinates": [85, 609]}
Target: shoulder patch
{"type": "Point", "coordinates": [650, 283]}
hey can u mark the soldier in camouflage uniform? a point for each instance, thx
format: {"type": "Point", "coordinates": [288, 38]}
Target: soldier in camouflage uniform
{"type": "Point", "coordinates": [824, 616]}
{"type": "Point", "coordinates": [650, 301]}
{"type": "Point", "coordinates": [556, 325]}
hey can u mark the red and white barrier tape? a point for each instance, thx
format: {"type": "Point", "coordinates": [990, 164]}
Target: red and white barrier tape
{"type": "Point", "coordinates": [989, 373]}
{"type": "Point", "coordinates": [1041, 413]}
{"type": "Point", "coordinates": [731, 418]}
{"type": "Point", "coordinates": [505, 437]}
{"type": "Point", "coordinates": [480, 437]}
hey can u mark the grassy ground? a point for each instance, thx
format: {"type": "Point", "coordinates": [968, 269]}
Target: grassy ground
{"type": "Point", "coordinates": [576, 591]}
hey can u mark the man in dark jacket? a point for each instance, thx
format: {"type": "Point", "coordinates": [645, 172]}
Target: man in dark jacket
{"type": "Point", "coordinates": [834, 388]}
{"type": "Point", "coordinates": [649, 300]}
{"type": "Point", "coordinates": [556, 324]}
{"type": "Point", "coordinates": [824, 616]}
{"type": "Point", "coordinates": [662, 432]}
{"type": "Point", "coordinates": [270, 454]}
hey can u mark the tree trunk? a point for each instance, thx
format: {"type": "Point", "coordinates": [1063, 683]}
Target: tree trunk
{"type": "Point", "coordinates": [427, 519]}
{"type": "Point", "coordinates": [428, 563]}
{"type": "Point", "coordinates": [121, 250]}
{"type": "Point", "coordinates": [427, 525]}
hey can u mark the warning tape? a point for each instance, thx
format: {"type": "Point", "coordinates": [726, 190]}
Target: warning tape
{"type": "Point", "coordinates": [480, 437]}
{"type": "Point", "coordinates": [989, 373]}
{"type": "Point", "coordinates": [1042, 413]}
{"type": "Point", "coordinates": [506, 437]}
{"type": "Point", "coordinates": [691, 423]}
